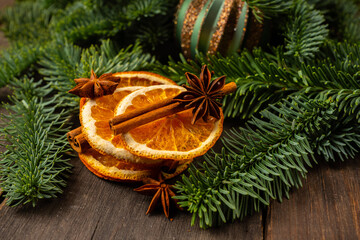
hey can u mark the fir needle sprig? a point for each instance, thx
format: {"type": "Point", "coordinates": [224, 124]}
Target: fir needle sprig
{"type": "Point", "coordinates": [258, 165]}
{"type": "Point", "coordinates": [34, 165]}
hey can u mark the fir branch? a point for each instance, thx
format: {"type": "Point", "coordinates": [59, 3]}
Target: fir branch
{"type": "Point", "coordinates": [79, 22]}
{"type": "Point", "coordinates": [33, 167]}
{"type": "Point", "coordinates": [151, 34]}
{"type": "Point", "coordinates": [59, 65]}
{"type": "Point", "coordinates": [341, 141]}
{"type": "Point", "coordinates": [58, 4]}
{"type": "Point", "coordinates": [135, 10]}
{"type": "Point", "coordinates": [264, 160]}
{"type": "Point", "coordinates": [269, 8]}
{"type": "Point", "coordinates": [265, 78]}
{"type": "Point", "coordinates": [343, 55]}
{"type": "Point", "coordinates": [347, 102]}
{"type": "Point", "coordinates": [305, 31]}
{"type": "Point", "coordinates": [15, 61]}
{"type": "Point", "coordinates": [84, 21]}
{"type": "Point", "coordinates": [258, 75]}
{"type": "Point", "coordinates": [27, 22]}
{"type": "Point", "coordinates": [350, 21]}
{"type": "Point", "coordinates": [343, 17]}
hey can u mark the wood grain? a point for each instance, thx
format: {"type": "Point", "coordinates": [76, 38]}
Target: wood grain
{"type": "Point", "coordinates": [92, 208]}
{"type": "Point", "coordinates": [327, 207]}
{"type": "Point", "coordinates": [3, 41]}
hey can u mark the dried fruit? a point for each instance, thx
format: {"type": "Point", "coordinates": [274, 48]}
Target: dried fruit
{"type": "Point", "coordinates": [171, 137]}
{"type": "Point", "coordinates": [96, 113]}
{"type": "Point", "coordinates": [110, 168]}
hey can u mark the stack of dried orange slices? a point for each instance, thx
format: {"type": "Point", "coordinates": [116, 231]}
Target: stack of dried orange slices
{"type": "Point", "coordinates": [166, 145]}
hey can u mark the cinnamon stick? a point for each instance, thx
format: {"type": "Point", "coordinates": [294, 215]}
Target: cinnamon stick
{"type": "Point", "coordinates": [228, 88]}
{"type": "Point", "coordinates": [137, 112]}
{"type": "Point", "coordinates": [77, 140]}
{"type": "Point", "coordinates": [72, 134]}
{"type": "Point", "coordinates": [146, 118]}
{"type": "Point", "coordinates": [126, 122]}
{"type": "Point", "coordinates": [81, 144]}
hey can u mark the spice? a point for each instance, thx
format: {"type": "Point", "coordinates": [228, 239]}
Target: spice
{"type": "Point", "coordinates": [160, 189]}
{"type": "Point", "coordinates": [95, 87]}
{"type": "Point", "coordinates": [149, 116]}
{"type": "Point", "coordinates": [77, 140]}
{"type": "Point", "coordinates": [202, 94]}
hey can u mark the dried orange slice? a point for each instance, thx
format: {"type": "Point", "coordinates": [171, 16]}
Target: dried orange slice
{"type": "Point", "coordinates": [94, 118]}
{"type": "Point", "coordinates": [140, 78]}
{"type": "Point", "coordinates": [96, 113]}
{"type": "Point", "coordinates": [172, 137]}
{"type": "Point", "coordinates": [110, 168]}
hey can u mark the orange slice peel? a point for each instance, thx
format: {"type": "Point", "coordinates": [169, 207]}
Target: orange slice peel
{"type": "Point", "coordinates": [173, 137]}
{"type": "Point", "coordinates": [96, 113]}
{"type": "Point", "coordinates": [94, 116]}
{"type": "Point", "coordinates": [110, 168]}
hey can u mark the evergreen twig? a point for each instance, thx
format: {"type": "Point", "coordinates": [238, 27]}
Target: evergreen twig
{"type": "Point", "coordinates": [264, 160]}
{"type": "Point", "coordinates": [27, 22]}
{"type": "Point", "coordinates": [15, 61]}
{"type": "Point", "coordinates": [269, 8]}
{"type": "Point", "coordinates": [305, 31]}
{"type": "Point", "coordinates": [33, 167]}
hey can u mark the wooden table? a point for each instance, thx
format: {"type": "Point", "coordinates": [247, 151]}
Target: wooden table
{"type": "Point", "coordinates": [327, 207]}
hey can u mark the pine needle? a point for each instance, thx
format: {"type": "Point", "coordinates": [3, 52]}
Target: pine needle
{"type": "Point", "coordinates": [265, 159]}
{"type": "Point", "coordinates": [34, 165]}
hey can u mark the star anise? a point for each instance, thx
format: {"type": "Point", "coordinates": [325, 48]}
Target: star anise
{"type": "Point", "coordinates": [159, 189]}
{"type": "Point", "coordinates": [95, 87]}
{"type": "Point", "coordinates": [202, 94]}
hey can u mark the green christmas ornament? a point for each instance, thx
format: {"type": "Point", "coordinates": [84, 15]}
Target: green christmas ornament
{"type": "Point", "coordinates": [211, 26]}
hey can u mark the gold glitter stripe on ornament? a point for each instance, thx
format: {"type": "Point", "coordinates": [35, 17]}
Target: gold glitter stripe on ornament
{"type": "Point", "coordinates": [188, 25]}
{"type": "Point", "coordinates": [181, 10]}
{"type": "Point", "coordinates": [228, 33]}
{"type": "Point", "coordinates": [194, 40]}
{"type": "Point", "coordinates": [209, 25]}
{"type": "Point", "coordinates": [220, 27]}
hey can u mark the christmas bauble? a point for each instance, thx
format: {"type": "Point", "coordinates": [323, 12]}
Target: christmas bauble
{"type": "Point", "coordinates": [211, 26]}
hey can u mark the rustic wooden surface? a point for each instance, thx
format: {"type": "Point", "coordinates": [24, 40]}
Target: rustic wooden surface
{"type": "Point", "coordinates": [92, 208]}
{"type": "Point", "coordinates": [327, 207]}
